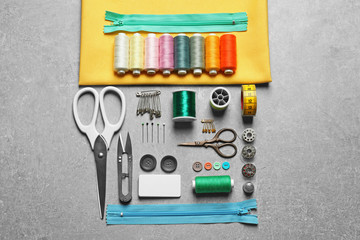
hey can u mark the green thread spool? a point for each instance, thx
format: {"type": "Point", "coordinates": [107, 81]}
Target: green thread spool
{"type": "Point", "coordinates": [213, 184]}
{"type": "Point", "coordinates": [181, 54]}
{"type": "Point", "coordinates": [184, 106]}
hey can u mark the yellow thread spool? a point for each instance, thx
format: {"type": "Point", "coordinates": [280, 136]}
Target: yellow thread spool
{"type": "Point", "coordinates": [136, 64]}
{"type": "Point", "coordinates": [212, 54]}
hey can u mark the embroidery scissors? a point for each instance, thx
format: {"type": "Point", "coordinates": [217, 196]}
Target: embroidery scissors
{"type": "Point", "coordinates": [214, 143]}
{"type": "Point", "coordinates": [100, 142]}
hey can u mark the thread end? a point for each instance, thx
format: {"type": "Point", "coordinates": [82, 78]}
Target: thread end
{"type": "Point", "coordinates": [136, 72]}
{"type": "Point", "coordinates": [151, 72]}
{"type": "Point", "coordinates": [197, 71]}
{"type": "Point", "coordinates": [228, 71]}
{"type": "Point", "coordinates": [213, 72]}
{"type": "Point", "coordinates": [166, 72]}
{"type": "Point", "coordinates": [121, 72]}
{"type": "Point", "coordinates": [182, 72]}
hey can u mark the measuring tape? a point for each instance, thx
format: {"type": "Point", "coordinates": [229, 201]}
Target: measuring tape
{"type": "Point", "coordinates": [248, 100]}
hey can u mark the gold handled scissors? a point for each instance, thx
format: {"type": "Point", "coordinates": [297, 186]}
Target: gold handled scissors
{"type": "Point", "coordinates": [214, 143]}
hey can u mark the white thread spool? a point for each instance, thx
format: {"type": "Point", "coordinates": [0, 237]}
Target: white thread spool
{"type": "Point", "coordinates": [121, 54]}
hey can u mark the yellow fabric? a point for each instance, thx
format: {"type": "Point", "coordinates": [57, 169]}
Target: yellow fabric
{"type": "Point", "coordinates": [96, 57]}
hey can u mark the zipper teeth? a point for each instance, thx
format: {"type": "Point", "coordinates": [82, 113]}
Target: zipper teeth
{"type": "Point", "coordinates": [160, 214]}
{"type": "Point", "coordinates": [185, 23]}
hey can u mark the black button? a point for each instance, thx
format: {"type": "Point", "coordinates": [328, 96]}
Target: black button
{"type": "Point", "coordinates": [148, 162]}
{"type": "Point", "coordinates": [168, 164]}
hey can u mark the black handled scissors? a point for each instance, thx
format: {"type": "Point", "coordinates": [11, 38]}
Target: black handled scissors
{"type": "Point", "coordinates": [214, 143]}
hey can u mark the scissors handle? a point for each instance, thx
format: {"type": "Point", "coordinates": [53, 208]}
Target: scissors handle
{"type": "Point", "coordinates": [90, 129]}
{"type": "Point", "coordinates": [217, 147]}
{"type": "Point", "coordinates": [109, 128]}
{"type": "Point", "coordinates": [217, 138]}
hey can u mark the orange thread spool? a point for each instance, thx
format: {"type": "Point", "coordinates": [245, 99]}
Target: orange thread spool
{"type": "Point", "coordinates": [228, 53]}
{"type": "Point", "coordinates": [212, 54]}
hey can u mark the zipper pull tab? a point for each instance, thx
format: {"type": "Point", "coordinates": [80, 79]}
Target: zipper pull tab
{"type": "Point", "coordinates": [243, 211]}
{"type": "Point", "coordinates": [118, 23]}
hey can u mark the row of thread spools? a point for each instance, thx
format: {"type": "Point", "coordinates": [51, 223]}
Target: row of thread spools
{"type": "Point", "coordinates": [180, 54]}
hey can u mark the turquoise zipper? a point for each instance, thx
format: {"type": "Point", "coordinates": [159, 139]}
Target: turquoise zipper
{"type": "Point", "coordinates": [182, 213]}
{"type": "Point", "coordinates": [175, 23]}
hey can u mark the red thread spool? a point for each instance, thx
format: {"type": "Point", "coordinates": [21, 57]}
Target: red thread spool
{"type": "Point", "coordinates": [228, 53]}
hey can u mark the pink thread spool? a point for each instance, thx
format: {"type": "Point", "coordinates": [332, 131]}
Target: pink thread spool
{"type": "Point", "coordinates": [166, 47]}
{"type": "Point", "coordinates": [151, 54]}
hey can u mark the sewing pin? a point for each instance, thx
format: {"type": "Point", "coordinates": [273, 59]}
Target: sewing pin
{"type": "Point", "coordinates": [158, 132]}
{"type": "Point", "coordinates": [164, 132]}
{"type": "Point", "coordinates": [152, 132]}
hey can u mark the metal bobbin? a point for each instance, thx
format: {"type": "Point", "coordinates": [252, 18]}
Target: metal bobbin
{"type": "Point", "coordinates": [248, 135]}
{"type": "Point", "coordinates": [248, 152]}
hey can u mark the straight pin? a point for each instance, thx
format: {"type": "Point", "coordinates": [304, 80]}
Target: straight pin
{"type": "Point", "coordinates": [163, 132]}
{"type": "Point", "coordinates": [158, 138]}
{"type": "Point", "coordinates": [147, 132]}
{"type": "Point", "coordinates": [142, 132]}
{"type": "Point", "coordinates": [152, 132]}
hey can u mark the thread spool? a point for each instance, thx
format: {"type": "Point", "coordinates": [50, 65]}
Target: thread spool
{"type": "Point", "coordinates": [151, 54]}
{"type": "Point", "coordinates": [121, 54]}
{"type": "Point", "coordinates": [166, 54]}
{"type": "Point", "coordinates": [220, 98]}
{"type": "Point", "coordinates": [212, 54]}
{"type": "Point", "coordinates": [228, 53]}
{"type": "Point", "coordinates": [197, 54]}
{"type": "Point", "coordinates": [184, 106]}
{"type": "Point", "coordinates": [181, 54]}
{"type": "Point", "coordinates": [213, 184]}
{"type": "Point", "coordinates": [136, 54]}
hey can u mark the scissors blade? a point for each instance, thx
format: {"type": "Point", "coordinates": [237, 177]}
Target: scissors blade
{"type": "Point", "coordinates": [120, 148]}
{"type": "Point", "coordinates": [188, 144]}
{"type": "Point", "coordinates": [100, 153]}
{"type": "Point", "coordinates": [128, 148]}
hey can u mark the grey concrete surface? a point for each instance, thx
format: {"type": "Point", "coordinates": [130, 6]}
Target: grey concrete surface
{"type": "Point", "coordinates": [307, 185]}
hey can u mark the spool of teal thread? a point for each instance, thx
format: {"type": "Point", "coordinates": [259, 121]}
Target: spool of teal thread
{"type": "Point", "coordinates": [184, 106]}
{"type": "Point", "coordinates": [213, 184]}
{"type": "Point", "coordinates": [182, 54]}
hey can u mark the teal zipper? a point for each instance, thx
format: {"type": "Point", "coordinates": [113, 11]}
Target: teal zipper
{"type": "Point", "coordinates": [213, 22]}
{"type": "Point", "coordinates": [182, 213]}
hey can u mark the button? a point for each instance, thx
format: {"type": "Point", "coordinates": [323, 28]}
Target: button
{"type": "Point", "coordinates": [197, 166]}
{"type": "Point", "coordinates": [248, 188]}
{"type": "Point", "coordinates": [168, 164]}
{"type": "Point", "coordinates": [148, 162]}
{"type": "Point", "coordinates": [248, 135]}
{"type": "Point", "coordinates": [217, 165]}
{"type": "Point", "coordinates": [248, 152]}
{"type": "Point", "coordinates": [208, 166]}
{"type": "Point", "coordinates": [226, 165]}
{"type": "Point", "coordinates": [249, 170]}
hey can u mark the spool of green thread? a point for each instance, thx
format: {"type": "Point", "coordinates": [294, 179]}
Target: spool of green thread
{"type": "Point", "coordinates": [213, 184]}
{"type": "Point", "coordinates": [184, 106]}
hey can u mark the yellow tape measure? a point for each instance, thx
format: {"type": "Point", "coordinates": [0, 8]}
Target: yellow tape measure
{"type": "Point", "coordinates": [248, 100]}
